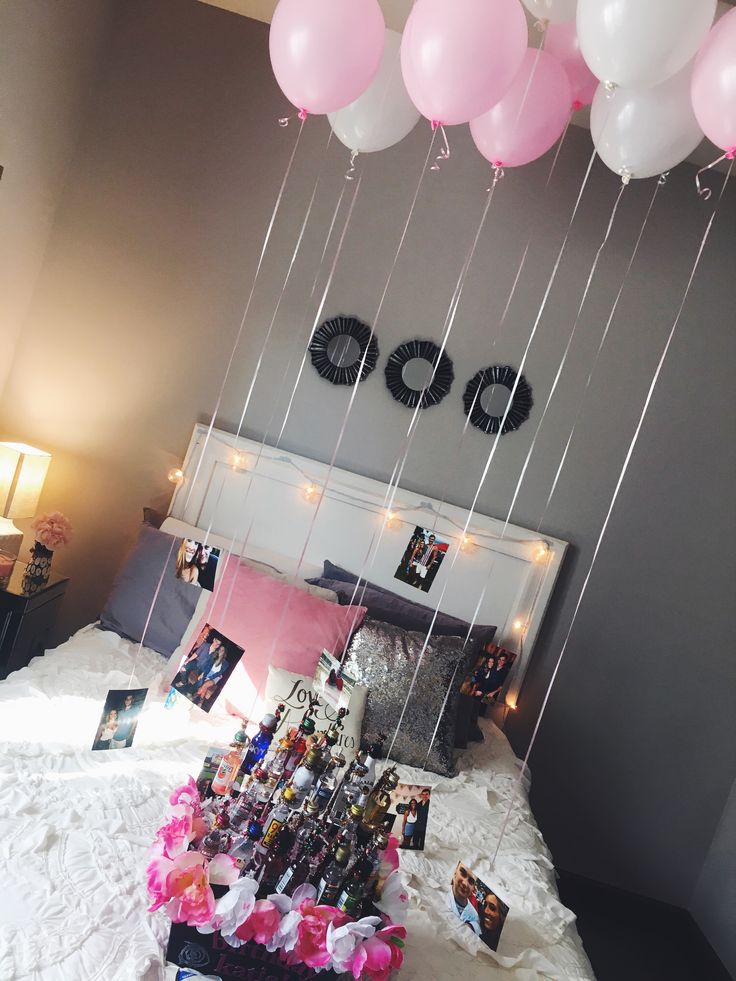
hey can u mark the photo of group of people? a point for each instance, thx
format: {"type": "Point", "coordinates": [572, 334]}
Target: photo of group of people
{"type": "Point", "coordinates": [197, 563]}
{"type": "Point", "coordinates": [489, 673]}
{"type": "Point", "coordinates": [422, 559]}
{"type": "Point", "coordinates": [408, 814]}
{"type": "Point", "coordinates": [119, 719]}
{"type": "Point", "coordinates": [476, 905]}
{"type": "Point", "coordinates": [204, 671]}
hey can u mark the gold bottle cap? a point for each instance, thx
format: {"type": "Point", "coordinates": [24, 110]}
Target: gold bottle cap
{"type": "Point", "coordinates": [342, 855]}
{"type": "Point", "coordinates": [289, 794]}
{"type": "Point", "coordinates": [312, 758]}
{"type": "Point", "coordinates": [356, 811]}
{"type": "Point", "coordinates": [381, 840]}
{"type": "Point", "coordinates": [311, 808]}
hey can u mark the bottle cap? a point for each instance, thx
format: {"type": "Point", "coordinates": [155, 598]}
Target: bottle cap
{"type": "Point", "coordinates": [308, 726]}
{"type": "Point", "coordinates": [313, 757]}
{"type": "Point", "coordinates": [269, 722]}
{"type": "Point", "coordinates": [285, 742]}
{"type": "Point", "coordinates": [390, 779]}
{"type": "Point", "coordinates": [260, 774]}
{"type": "Point", "coordinates": [240, 738]}
{"type": "Point", "coordinates": [356, 811]}
{"type": "Point", "coordinates": [338, 760]}
{"type": "Point", "coordinates": [342, 855]}
{"type": "Point", "coordinates": [359, 771]}
{"type": "Point", "coordinates": [311, 808]}
{"type": "Point", "coordinates": [381, 840]}
{"type": "Point", "coordinates": [255, 830]}
{"type": "Point", "coordinates": [289, 794]}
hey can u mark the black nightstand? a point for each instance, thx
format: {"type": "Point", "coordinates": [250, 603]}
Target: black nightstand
{"type": "Point", "coordinates": [26, 621]}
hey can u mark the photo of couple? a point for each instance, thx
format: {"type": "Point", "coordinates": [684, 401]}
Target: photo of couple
{"type": "Point", "coordinates": [197, 563]}
{"type": "Point", "coordinates": [476, 905]}
{"type": "Point", "coordinates": [490, 671]}
{"type": "Point", "coordinates": [204, 671]}
{"type": "Point", "coordinates": [119, 718]}
{"type": "Point", "coordinates": [422, 559]}
{"type": "Point", "coordinates": [410, 804]}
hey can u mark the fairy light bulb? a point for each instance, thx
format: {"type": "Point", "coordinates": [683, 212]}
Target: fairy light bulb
{"type": "Point", "coordinates": [541, 552]}
{"type": "Point", "coordinates": [518, 624]}
{"type": "Point", "coordinates": [466, 542]}
{"type": "Point", "coordinates": [391, 519]}
{"type": "Point", "coordinates": [175, 475]}
{"type": "Point", "coordinates": [310, 491]}
{"type": "Point", "coordinates": [239, 460]}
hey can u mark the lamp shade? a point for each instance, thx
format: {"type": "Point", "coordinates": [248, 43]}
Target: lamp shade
{"type": "Point", "coordinates": [22, 473]}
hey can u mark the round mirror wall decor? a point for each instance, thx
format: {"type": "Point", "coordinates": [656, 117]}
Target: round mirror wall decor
{"type": "Point", "coordinates": [339, 347]}
{"type": "Point", "coordinates": [410, 370]}
{"type": "Point", "coordinates": [487, 397]}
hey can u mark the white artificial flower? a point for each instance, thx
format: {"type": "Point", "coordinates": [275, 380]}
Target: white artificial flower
{"type": "Point", "coordinates": [233, 909]}
{"type": "Point", "coordinates": [342, 941]}
{"type": "Point", "coordinates": [394, 901]}
{"type": "Point", "coordinates": [287, 934]}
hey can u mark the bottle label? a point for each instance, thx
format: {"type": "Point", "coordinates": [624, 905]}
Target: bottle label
{"type": "Point", "coordinates": [320, 890]}
{"type": "Point", "coordinates": [270, 835]}
{"type": "Point", "coordinates": [284, 880]}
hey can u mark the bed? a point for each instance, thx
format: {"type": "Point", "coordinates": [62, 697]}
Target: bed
{"type": "Point", "coordinates": [76, 826]}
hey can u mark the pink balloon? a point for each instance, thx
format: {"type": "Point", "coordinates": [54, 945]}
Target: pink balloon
{"type": "Point", "coordinates": [530, 117]}
{"type": "Point", "coordinates": [561, 41]}
{"type": "Point", "coordinates": [325, 53]}
{"type": "Point", "coordinates": [713, 85]}
{"type": "Point", "coordinates": [458, 57]}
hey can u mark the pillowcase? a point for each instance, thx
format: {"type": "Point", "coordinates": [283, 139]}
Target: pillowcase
{"type": "Point", "coordinates": [383, 658]}
{"type": "Point", "coordinates": [134, 588]}
{"type": "Point", "coordinates": [389, 607]}
{"type": "Point", "coordinates": [277, 624]}
{"type": "Point", "coordinates": [293, 689]}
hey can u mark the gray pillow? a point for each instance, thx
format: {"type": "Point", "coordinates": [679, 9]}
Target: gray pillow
{"type": "Point", "coordinates": [383, 658]}
{"type": "Point", "coordinates": [128, 605]}
{"type": "Point", "coordinates": [389, 607]}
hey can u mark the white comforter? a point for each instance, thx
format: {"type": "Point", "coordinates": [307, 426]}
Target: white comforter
{"type": "Point", "coordinates": [75, 827]}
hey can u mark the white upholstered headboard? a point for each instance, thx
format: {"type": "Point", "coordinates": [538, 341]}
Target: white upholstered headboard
{"type": "Point", "coordinates": [267, 498]}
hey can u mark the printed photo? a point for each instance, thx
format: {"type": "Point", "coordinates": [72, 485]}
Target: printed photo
{"type": "Point", "coordinates": [204, 671]}
{"type": "Point", "coordinates": [119, 718]}
{"type": "Point", "coordinates": [489, 673]}
{"type": "Point", "coordinates": [476, 905]}
{"type": "Point", "coordinates": [197, 563]}
{"type": "Point", "coordinates": [422, 559]}
{"type": "Point", "coordinates": [408, 814]}
{"type": "Point", "coordinates": [331, 683]}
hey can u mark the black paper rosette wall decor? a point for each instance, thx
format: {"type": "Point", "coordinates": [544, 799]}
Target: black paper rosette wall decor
{"type": "Point", "coordinates": [418, 374]}
{"type": "Point", "coordinates": [338, 349]}
{"type": "Point", "coordinates": [487, 396]}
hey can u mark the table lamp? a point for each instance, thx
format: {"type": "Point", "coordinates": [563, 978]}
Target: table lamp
{"type": "Point", "coordinates": [22, 473]}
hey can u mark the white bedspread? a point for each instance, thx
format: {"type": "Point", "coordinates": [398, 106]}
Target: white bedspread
{"type": "Point", "coordinates": [75, 827]}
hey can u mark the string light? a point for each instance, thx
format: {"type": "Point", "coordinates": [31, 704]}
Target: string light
{"type": "Point", "coordinates": [391, 519]}
{"type": "Point", "coordinates": [311, 491]}
{"type": "Point", "coordinates": [541, 552]}
{"type": "Point", "coordinates": [239, 460]}
{"type": "Point", "coordinates": [466, 543]}
{"type": "Point", "coordinates": [175, 475]}
{"type": "Point", "coordinates": [519, 624]}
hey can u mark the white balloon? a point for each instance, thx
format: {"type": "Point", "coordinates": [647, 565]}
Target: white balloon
{"type": "Point", "coordinates": [384, 114]}
{"type": "Point", "coordinates": [640, 43]}
{"type": "Point", "coordinates": [555, 11]}
{"type": "Point", "coordinates": [645, 132]}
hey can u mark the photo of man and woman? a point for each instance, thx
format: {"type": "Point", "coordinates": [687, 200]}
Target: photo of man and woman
{"type": "Point", "coordinates": [422, 559]}
{"type": "Point", "coordinates": [197, 563]}
{"type": "Point", "coordinates": [204, 671]}
{"type": "Point", "coordinates": [408, 814]}
{"type": "Point", "coordinates": [476, 905]}
{"type": "Point", "coordinates": [119, 718]}
{"type": "Point", "coordinates": [489, 673]}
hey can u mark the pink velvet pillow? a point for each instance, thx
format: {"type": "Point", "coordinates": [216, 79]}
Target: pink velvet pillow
{"type": "Point", "coordinates": [276, 623]}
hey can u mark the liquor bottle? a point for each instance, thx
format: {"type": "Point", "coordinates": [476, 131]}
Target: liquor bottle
{"type": "Point", "coordinates": [262, 797]}
{"type": "Point", "coordinates": [262, 740]}
{"type": "Point", "coordinates": [275, 862]}
{"type": "Point", "coordinates": [374, 855]}
{"type": "Point", "coordinates": [348, 792]}
{"type": "Point", "coordinates": [301, 869]}
{"type": "Point", "coordinates": [373, 753]}
{"type": "Point", "coordinates": [379, 801]}
{"type": "Point", "coordinates": [212, 844]}
{"type": "Point", "coordinates": [279, 816]}
{"type": "Point", "coordinates": [326, 784]}
{"type": "Point", "coordinates": [210, 766]}
{"type": "Point", "coordinates": [247, 798]}
{"type": "Point", "coordinates": [244, 850]}
{"type": "Point", "coordinates": [305, 775]}
{"type": "Point", "coordinates": [350, 899]}
{"type": "Point", "coordinates": [331, 882]}
{"type": "Point", "coordinates": [275, 762]}
{"type": "Point", "coordinates": [309, 828]}
{"type": "Point", "coordinates": [230, 764]}
{"type": "Point", "coordinates": [347, 836]}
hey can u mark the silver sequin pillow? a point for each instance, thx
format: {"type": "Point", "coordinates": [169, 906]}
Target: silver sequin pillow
{"type": "Point", "coordinates": [384, 657]}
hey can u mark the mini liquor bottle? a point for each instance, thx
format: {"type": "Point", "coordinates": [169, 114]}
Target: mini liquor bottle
{"type": "Point", "coordinates": [230, 764]}
{"type": "Point", "coordinates": [374, 855]}
{"type": "Point", "coordinates": [379, 801]}
{"type": "Point", "coordinates": [326, 785]}
{"type": "Point", "coordinates": [247, 798]}
{"type": "Point", "coordinates": [374, 752]}
{"type": "Point", "coordinates": [262, 797]}
{"type": "Point", "coordinates": [279, 816]}
{"type": "Point", "coordinates": [347, 836]}
{"type": "Point", "coordinates": [305, 775]}
{"type": "Point", "coordinates": [350, 899]}
{"type": "Point", "coordinates": [348, 792]}
{"type": "Point", "coordinates": [301, 869]}
{"type": "Point", "coordinates": [244, 850]}
{"type": "Point", "coordinates": [332, 879]}
{"type": "Point", "coordinates": [275, 862]}
{"type": "Point", "coordinates": [212, 844]}
{"type": "Point", "coordinates": [262, 740]}
{"type": "Point", "coordinates": [209, 769]}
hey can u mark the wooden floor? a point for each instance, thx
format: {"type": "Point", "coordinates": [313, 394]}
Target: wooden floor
{"type": "Point", "coordinates": [631, 938]}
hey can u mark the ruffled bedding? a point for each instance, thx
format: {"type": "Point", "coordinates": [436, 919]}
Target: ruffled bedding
{"type": "Point", "coordinates": [75, 827]}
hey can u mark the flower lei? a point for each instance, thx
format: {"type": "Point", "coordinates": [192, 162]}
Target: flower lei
{"type": "Point", "coordinates": [319, 937]}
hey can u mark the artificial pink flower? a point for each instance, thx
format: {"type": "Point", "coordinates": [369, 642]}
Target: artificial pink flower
{"type": "Point", "coordinates": [157, 873]}
{"type": "Point", "coordinates": [311, 944]}
{"type": "Point", "coordinates": [187, 794]}
{"type": "Point", "coordinates": [380, 954]}
{"type": "Point", "coordinates": [262, 923]}
{"type": "Point", "coordinates": [222, 870]}
{"type": "Point", "coordinates": [177, 833]}
{"type": "Point", "coordinates": [52, 530]}
{"type": "Point", "coordinates": [192, 900]}
{"type": "Point", "coordinates": [393, 899]}
{"type": "Point", "coordinates": [343, 941]}
{"type": "Point", "coordinates": [389, 862]}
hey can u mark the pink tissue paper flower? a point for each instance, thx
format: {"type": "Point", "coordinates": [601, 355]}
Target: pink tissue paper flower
{"type": "Point", "coordinates": [52, 530]}
{"type": "Point", "coordinates": [262, 923]}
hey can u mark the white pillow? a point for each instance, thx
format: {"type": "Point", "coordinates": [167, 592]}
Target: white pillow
{"type": "Point", "coordinates": [261, 559]}
{"type": "Point", "coordinates": [293, 689]}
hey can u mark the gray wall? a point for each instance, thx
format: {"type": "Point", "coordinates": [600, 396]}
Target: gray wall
{"type": "Point", "coordinates": [714, 901]}
{"type": "Point", "coordinates": [148, 267]}
{"type": "Point", "coordinates": [48, 59]}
